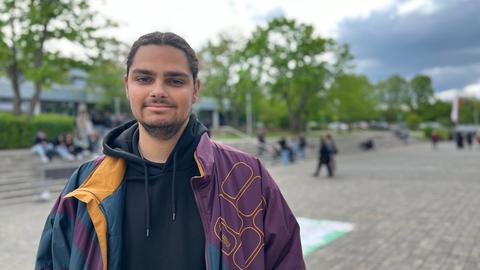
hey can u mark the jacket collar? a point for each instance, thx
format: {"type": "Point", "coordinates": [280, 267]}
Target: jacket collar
{"type": "Point", "coordinates": [204, 156]}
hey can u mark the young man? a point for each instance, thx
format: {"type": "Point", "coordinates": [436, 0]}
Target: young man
{"type": "Point", "coordinates": [164, 196]}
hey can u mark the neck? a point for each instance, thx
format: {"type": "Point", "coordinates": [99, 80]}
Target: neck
{"type": "Point", "coordinates": [155, 149]}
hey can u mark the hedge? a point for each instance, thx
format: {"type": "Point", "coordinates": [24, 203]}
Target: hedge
{"type": "Point", "coordinates": [18, 132]}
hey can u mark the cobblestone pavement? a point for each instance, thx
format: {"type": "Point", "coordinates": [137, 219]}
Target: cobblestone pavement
{"type": "Point", "coordinates": [413, 208]}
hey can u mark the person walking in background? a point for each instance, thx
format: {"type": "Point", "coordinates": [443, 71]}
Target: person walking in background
{"type": "Point", "coordinates": [301, 145]}
{"type": "Point", "coordinates": [261, 143]}
{"type": "Point", "coordinates": [332, 146]}
{"type": "Point", "coordinates": [459, 139]}
{"type": "Point", "coordinates": [478, 138]}
{"type": "Point", "coordinates": [324, 158]}
{"type": "Point", "coordinates": [284, 151]}
{"type": "Point", "coordinates": [287, 154]}
{"type": "Point", "coordinates": [435, 138]}
{"type": "Point", "coordinates": [83, 123]}
{"type": "Point", "coordinates": [470, 136]}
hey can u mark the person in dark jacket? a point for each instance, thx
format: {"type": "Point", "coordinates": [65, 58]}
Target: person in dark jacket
{"type": "Point", "coordinates": [164, 195]}
{"type": "Point", "coordinates": [324, 157]}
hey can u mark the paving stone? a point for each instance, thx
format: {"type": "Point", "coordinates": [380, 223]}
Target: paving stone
{"type": "Point", "coordinates": [413, 208]}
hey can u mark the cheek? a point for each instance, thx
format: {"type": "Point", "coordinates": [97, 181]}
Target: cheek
{"type": "Point", "coordinates": [136, 103]}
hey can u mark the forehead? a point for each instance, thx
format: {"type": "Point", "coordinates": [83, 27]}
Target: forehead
{"type": "Point", "coordinates": [160, 58]}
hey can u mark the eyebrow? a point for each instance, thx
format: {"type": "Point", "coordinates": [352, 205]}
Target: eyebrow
{"type": "Point", "coordinates": [166, 74]}
{"type": "Point", "coordinates": [143, 71]}
{"type": "Point", "coordinates": [176, 74]}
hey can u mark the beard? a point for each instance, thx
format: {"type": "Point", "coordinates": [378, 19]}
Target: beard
{"type": "Point", "coordinates": [163, 130]}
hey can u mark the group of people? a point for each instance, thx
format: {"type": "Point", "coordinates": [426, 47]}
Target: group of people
{"type": "Point", "coordinates": [467, 137]}
{"type": "Point", "coordinates": [65, 146]}
{"type": "Point", "coordinates": [459, 138]}
{"type": "Point", "coordinates": [288, 151]}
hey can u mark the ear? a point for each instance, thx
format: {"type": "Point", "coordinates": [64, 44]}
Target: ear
{"type": "Point", "coordinates": [196, 91]}
{"type": "Point", "coordinates": [125, 85]}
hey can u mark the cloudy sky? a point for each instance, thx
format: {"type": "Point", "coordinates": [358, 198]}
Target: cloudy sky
{"type": "Point", "coordinates": [440, 38]}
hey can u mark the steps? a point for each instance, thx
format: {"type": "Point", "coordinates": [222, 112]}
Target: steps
{"type": "Point", "coordinates": [20, 177]}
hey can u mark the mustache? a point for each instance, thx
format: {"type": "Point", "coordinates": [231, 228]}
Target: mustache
{"type": "Point", "coordinates": [156, 101]}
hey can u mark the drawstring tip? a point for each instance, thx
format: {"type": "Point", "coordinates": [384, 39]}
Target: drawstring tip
{"type": "Point", "coordinates": [173, 216]}
{"type": "Point", "coordinates": [148, 232]}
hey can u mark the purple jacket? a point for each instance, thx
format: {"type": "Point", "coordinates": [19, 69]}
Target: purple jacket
{"type": "Point", "coordinates": [247, 222]}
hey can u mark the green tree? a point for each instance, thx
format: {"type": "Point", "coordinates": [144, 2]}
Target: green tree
{"type": "Point", "coordinates": [395, 97]}
{"type": "Point", "coordinates": [438, 111]}
{"type": "Point", "coordinates": [12, 21]}
{"type": "Point", "coordinates": [216, 61]}
{"type": "Point", "coordinates": [55, 20]}
{"type": "Point", "coordinates": [294, 65]}
{"type": "Point", "coordinates": [352, 98]}
{"type": "Point", "coordinates": [421, 91]}
{"type": "Point", "coordinates": [468, 111]}
{"type": "Point", "coordinates": [105, 75]}
{"type": "Point", "coordinates": [36, 24]}
{"type": "Point", "coordinates": [225, 78]}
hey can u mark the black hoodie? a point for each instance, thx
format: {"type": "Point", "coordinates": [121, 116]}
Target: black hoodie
{"type": "Point", "coordinates": [162, 228]}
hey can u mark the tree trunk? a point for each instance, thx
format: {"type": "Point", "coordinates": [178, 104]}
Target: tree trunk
{"type": "Point", "coordinates": [292, 118]}
{"type": "Point", "coordinates": [35, 99]}
{"type": "Point", "coordinates": [12, 73]}
{"type": "Point", "coordinates": [37, 65]}
{"type": "Point", "coordinates": [17, 98]}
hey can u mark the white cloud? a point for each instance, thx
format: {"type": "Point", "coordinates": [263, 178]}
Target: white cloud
{"type": "Point", "coordinates": [447, 70]}
{"type": "Point", "coordinates": [198, 21]}
{"type": "Point", "coordinates": [472, 90]}
{"type": "Point", "coordinates": [363, 65]}
{"type": "Point", "coordinates": [447, 95]}
{"type": "Point", "coordinates": [469, 91]}
{"type": "Point", "coordinates": [421, 6]}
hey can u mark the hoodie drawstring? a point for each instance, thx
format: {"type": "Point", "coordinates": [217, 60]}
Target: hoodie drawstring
{"type": "Point", "coordinates": [174, 210]}
{"type": "Point", "coordinates": [147, 197]}
{"type": "Point", "coordinates": [147, 200]}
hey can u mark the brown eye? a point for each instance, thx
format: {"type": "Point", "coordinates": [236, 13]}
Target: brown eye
{"type": "Point", "coordinates": [175, 82]}
{"type": "Point", "coordinates": [143, 79]}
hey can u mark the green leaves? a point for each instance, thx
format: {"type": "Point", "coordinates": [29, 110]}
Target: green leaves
{"type": "Point", "coordinates": [352, 98]}
{"type": "Point", "coordinates": [295, 66]}
{"type": "Point", "coordinates": [398, 96]}
{"type": "Point", "coordinates": [284, 66]}
{"type": "Point", "coordinates": [28, 29]}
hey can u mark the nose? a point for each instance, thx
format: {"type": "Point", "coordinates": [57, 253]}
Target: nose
{"type": "Point", "coordinates": [159, 91]}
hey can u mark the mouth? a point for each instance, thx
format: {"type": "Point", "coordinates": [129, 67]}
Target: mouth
{"type": "Point", "coordinates": [159, 107]}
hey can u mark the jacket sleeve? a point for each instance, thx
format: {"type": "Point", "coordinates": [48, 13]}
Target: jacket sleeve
{"type": "Point", "coordinates": [56, 240]}
{"type": "Point", "coordinates": [283, 250]}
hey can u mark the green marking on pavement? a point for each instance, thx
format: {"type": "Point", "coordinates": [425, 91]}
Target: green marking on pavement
{"type": "Point", "coordinates": [317, 233]}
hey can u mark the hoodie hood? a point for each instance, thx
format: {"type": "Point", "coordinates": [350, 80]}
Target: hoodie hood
{"type": "Point", "coordinates": [122, 142]}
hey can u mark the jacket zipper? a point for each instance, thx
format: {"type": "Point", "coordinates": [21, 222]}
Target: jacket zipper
{"type": "Point", "coordinates": [200, 208]}
{"type": "Point", "coordinates": [201, 218]}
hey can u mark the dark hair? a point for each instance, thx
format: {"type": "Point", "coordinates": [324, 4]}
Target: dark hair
{"type": "Point", "coordinates": [167, 38]}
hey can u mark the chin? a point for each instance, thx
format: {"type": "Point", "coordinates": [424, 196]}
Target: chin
{"type": "Point", "coordinates": [159, 123]}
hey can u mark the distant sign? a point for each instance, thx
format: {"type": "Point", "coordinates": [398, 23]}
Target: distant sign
{"type": "Point", "coordinates": [317, 233]}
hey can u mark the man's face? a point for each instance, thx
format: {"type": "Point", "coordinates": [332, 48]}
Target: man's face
{"type": "Point", "coordinates": [160, 88]}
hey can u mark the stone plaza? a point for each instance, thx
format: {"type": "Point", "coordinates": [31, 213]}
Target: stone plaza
{"type": "Point", "coordinates": [413, 207]}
